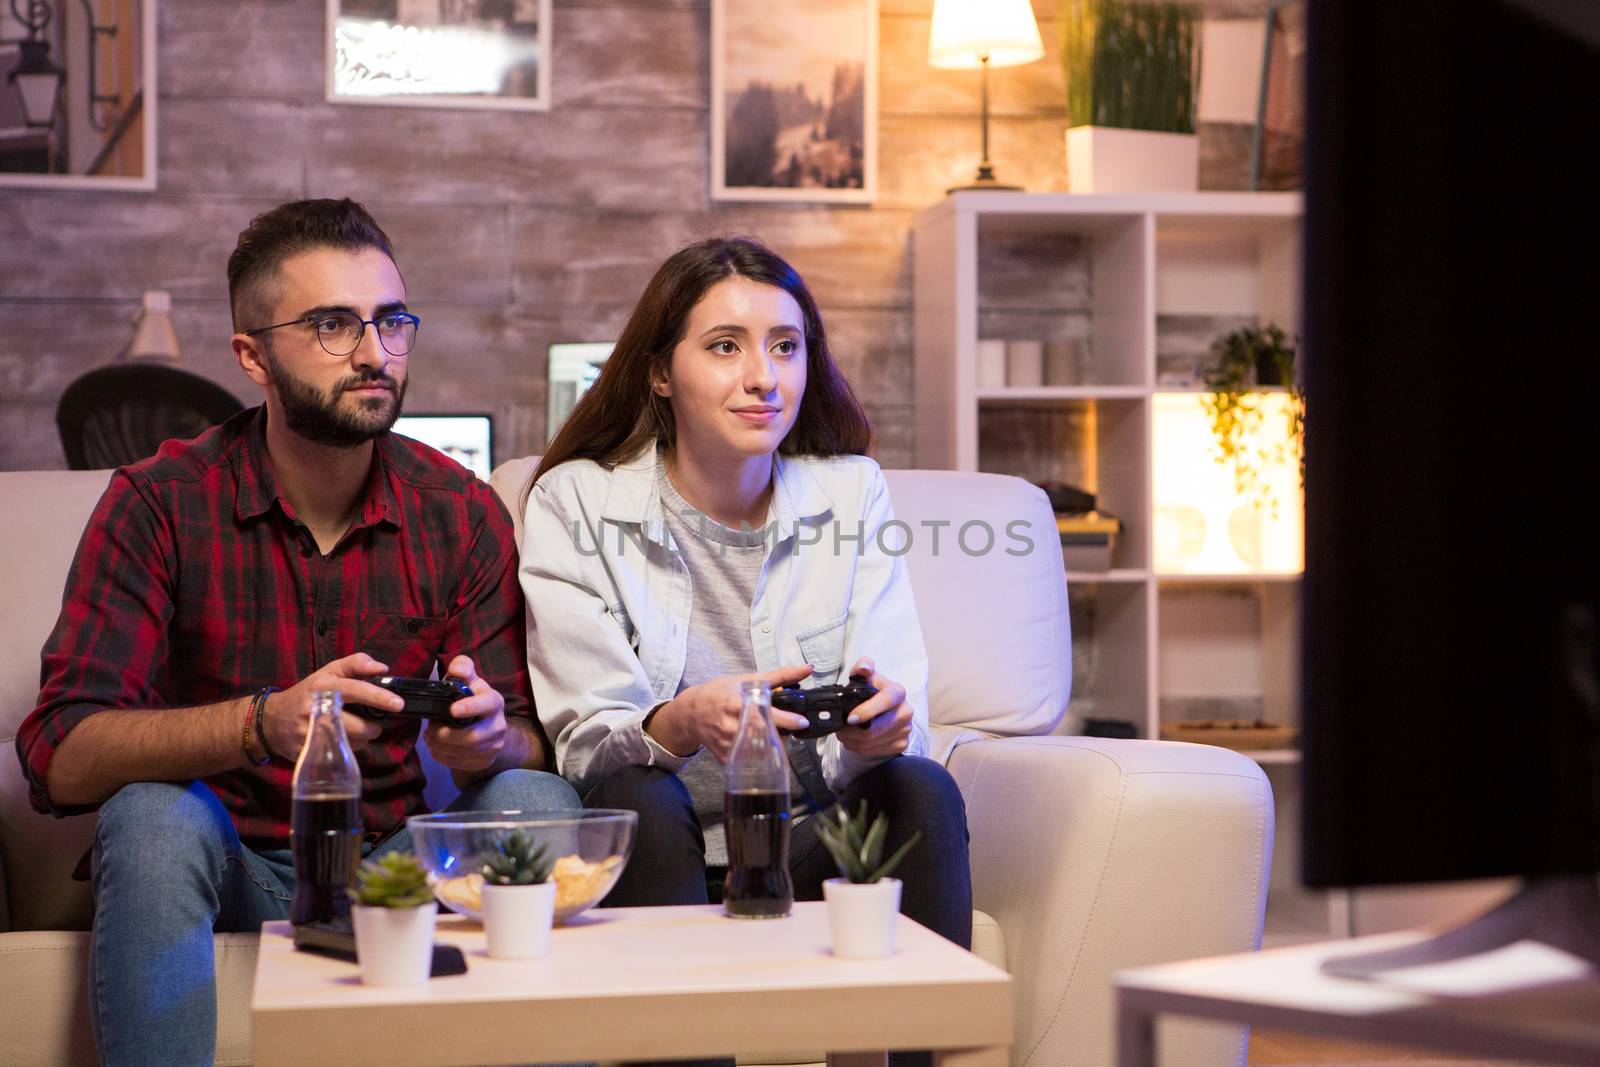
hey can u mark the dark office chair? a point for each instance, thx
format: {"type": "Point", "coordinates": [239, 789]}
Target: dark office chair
{"type": "Point", "coordinates": [120, 414]}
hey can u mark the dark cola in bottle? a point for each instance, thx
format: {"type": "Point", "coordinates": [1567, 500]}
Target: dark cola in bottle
{"type": "Point", "coordinates": [325, 827]}
{"type": "Point", "coordinates": [756, 813]}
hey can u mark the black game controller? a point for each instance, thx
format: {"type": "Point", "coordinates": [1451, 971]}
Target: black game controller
{"type": "Point", "coordinates": [425, 699]}
{"type": "Point", "coordinates": [826, 707]}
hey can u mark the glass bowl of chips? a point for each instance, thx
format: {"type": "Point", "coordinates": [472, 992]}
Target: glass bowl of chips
{"type": "Point", "coordinates": [589, 849]}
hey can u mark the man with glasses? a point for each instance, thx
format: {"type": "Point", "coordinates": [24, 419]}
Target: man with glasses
{"type": "Point", "coordinates": [299, 546]}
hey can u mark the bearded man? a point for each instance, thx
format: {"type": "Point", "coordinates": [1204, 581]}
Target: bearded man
{"type": "Point", "coordinates": [299, 546]}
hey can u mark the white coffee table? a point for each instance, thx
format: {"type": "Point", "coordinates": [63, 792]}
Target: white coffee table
{"type": "Point", "coordinates": [1549, 1021]}
{"type": "Point", "coordinates": [640, 983]}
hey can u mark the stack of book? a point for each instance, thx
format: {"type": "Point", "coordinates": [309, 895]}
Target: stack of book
{"type": "Point", "coordinates": [1087, 539]}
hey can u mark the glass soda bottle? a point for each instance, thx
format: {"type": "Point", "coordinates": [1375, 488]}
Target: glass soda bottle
{"type": "Point", "coordinates": [325, 828]}
{"type": "Point", "coordinates": [756, 809]}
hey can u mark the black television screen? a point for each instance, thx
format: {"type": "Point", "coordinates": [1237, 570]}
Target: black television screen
{"type": "Point", "coordinates": [1452, 380]}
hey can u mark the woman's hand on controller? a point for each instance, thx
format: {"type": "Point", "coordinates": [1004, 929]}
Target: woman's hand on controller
{"type": "Point", "coordinates": [707, 715]}
{"type": "Point", "coordinates": [882, 724]}
{"type": "Point", "coordinates": [287, 714]}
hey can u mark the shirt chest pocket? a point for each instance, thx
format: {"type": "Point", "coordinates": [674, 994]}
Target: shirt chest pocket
{"type": "Point", "coordinates": [619, 615]}
{"type": "Point", "coordinates": [407, 644]}
{"type": "Point", "coordinates": [823, 648]}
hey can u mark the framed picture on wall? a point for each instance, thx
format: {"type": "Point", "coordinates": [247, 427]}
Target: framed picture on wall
{"type": "Point", "coordinates": [794, 100]}
{"type": "Point", "coordinates": [440, 53]}
{"type": "Point", "coordinates": [78, 95]}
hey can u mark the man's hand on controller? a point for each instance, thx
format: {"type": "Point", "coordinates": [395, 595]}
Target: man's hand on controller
{"type": "Point", "coordinates": [882, 722]}
{"type": "Point", "coordinates": [471, 746]}
{"type": "Point", "coordinates": [287, 714]}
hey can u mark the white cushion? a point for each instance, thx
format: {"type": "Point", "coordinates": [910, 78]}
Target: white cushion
{"type": "Point", "coordinates": [46, 512]}
{"type": "Point", "coordinates": [995, 623]}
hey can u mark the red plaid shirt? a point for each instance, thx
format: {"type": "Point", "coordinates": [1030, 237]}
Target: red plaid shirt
{"type": "Point", "coordinates": [195, 583]}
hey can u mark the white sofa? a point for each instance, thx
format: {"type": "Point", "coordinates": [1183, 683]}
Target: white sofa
{"type": "Point", "coordinates": [1088, 855]}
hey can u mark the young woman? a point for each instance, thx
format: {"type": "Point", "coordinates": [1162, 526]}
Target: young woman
{"type": "Point", "coordinates": [707, 515]}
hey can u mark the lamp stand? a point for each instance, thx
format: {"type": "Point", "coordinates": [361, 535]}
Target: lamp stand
{"type": "Point", "coordinates": [985, 178]}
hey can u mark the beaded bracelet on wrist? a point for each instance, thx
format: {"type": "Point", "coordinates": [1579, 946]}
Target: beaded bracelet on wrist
{"type": "Point", "coordinates": [255, 729]}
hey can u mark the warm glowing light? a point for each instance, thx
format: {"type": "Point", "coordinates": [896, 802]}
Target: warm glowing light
{"type": "Point", "coordinates": [1203, 523]}
{"type": "Point", "coordinates": [375, 58]}
{"type": "Point", "coordinates": [966, 31]}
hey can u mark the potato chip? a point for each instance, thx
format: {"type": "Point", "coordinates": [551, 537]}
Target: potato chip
{"type": "Point", "coordinates": [579, 883]}
{"type": "Point", "coordinates": [465, 892]}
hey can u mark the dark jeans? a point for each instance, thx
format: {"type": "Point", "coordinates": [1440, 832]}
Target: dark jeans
{"type": "Point", "coordinates": [668, 865]}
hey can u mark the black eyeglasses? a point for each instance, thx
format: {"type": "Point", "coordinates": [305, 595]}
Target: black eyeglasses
{"type": "Point", "coordinates": [339, 332]}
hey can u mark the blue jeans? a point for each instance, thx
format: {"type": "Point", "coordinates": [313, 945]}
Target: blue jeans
{"type": "Point", "coordinates": [668, 865]}
{"type": "Point", "coordinates": [169, 870]}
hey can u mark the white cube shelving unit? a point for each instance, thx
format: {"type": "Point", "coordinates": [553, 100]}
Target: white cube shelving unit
{"type": "Point", "coordinates": [1158, 638]}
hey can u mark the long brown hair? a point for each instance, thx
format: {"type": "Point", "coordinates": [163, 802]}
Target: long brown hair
{"type": "Point", "coordinates": [621, 412]}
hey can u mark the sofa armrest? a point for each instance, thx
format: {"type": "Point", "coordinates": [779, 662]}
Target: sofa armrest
{"type": "Point", "coordinates": [1096, 855]}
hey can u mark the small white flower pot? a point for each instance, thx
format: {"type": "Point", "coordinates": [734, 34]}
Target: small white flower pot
{"type": "Point", "coordinates": [517, 919]}
{"type": "Point", "coordinates": [394, 945]}
{"type": "Point", "coordinates": [863, 916]}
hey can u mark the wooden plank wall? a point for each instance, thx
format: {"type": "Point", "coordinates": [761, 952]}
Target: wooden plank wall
{"type": "Point", "coordinates": [513, 230]}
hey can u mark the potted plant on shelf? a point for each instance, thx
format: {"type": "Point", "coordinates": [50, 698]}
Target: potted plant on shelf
{"type": "Point", "coordinates": [863, 901]}
{"type": "Point", "coordinates": [1132, 72]}
{"type": "Point", "coordinates": [393, 912]}
{"type": "Point", "coordinates": [519, 899]}
{"type": "Point", "coordinates": [1243, 363]}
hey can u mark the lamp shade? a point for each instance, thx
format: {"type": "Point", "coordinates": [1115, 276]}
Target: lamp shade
{"type": "Point", "coordinates": [153, 335]}
{"type": "Point", "coordinates": [965, 32]}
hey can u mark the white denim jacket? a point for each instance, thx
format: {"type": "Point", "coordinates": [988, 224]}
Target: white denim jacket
{"type": "Point", "coordinates": [608, 604]}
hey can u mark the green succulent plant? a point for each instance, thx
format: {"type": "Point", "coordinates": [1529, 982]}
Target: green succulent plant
{"type": "Point", "coordinates": [516, 860]}
{"type": "Point", "coordinates": [856, 847]}
{"type": "Point", "coordinates": [397, 880]}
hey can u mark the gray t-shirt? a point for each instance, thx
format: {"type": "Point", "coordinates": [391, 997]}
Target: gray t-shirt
{"type": "Point", "coordinates": [724, 568]}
